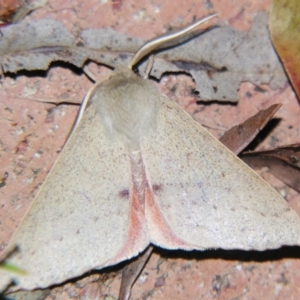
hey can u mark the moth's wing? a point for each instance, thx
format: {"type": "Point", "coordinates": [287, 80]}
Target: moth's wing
{"type": "Point", "coordinates": [203, 196]}
{"type": "Point", "coordinates": [80, 219]}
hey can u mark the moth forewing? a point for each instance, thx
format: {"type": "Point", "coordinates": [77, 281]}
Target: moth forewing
{"type": "Point", "coordinates": [206, 195]}
{"type": "Point", "coordinates": [75, 224]}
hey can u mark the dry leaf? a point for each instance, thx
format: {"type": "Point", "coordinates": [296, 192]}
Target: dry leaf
{"type": "Point", "coordinates": [284, 25]}
{"type": "Point", "coordinates": [283, 162]}
{"type": "Point", "coordinates": [239, 137]}
{"type": "Point", "coordinates": [219, 59]}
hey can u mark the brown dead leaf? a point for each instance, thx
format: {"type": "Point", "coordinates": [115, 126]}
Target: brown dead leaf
{"type": "Point", "coordinates": [282, 162]}
{"type": "Point", "coordinates": [284, 27]}
{"type": "Point", "coordinates": [221, 58]}
{"type": "Point", "coordinates": [218, 59]}
{"type": "Point", "coordinates": [239, 137]}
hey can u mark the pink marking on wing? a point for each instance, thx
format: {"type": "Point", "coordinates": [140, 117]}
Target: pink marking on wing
{"type": "Point", "coordinates": [160, 232]}
{"type": "Point", "coordinates": [137, 238]}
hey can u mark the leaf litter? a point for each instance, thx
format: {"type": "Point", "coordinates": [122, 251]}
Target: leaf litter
{"type": "Point", "coordinates": [218, 59]}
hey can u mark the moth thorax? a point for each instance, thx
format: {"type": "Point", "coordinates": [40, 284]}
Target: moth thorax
{"type": "Point", "coordinates": [128, 106]}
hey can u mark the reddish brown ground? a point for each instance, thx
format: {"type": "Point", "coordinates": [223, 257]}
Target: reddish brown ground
{"type": "Point", "coordinates": [32, 135]}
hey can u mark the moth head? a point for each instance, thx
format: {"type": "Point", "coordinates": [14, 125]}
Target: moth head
{"type": "Point", "coordinates": [127, 105]}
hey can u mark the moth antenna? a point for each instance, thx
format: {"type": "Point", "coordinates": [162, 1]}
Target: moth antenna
{"type": "Point", "coordinates": [158, 41]}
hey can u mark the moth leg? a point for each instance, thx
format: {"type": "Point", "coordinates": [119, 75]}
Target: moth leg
{"type": "Point", "coordinates": [149, 66]}
{"type": "Point", "coordinates": [131, 273]}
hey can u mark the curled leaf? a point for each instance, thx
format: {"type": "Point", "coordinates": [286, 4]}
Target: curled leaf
{"type": "Point", "coordinates": [284, 25]}
{"type": "Point", "coordinates": [240, 136]}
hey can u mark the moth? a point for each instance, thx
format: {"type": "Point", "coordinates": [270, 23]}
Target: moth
{"type": "Point", "coordinates": [138, 171]}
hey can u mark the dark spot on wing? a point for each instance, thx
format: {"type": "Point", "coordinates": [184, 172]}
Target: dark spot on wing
{"type": "Point", "coordinates": [157, 188]}
{"type": "Point", "coordinates": [124, 194]}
